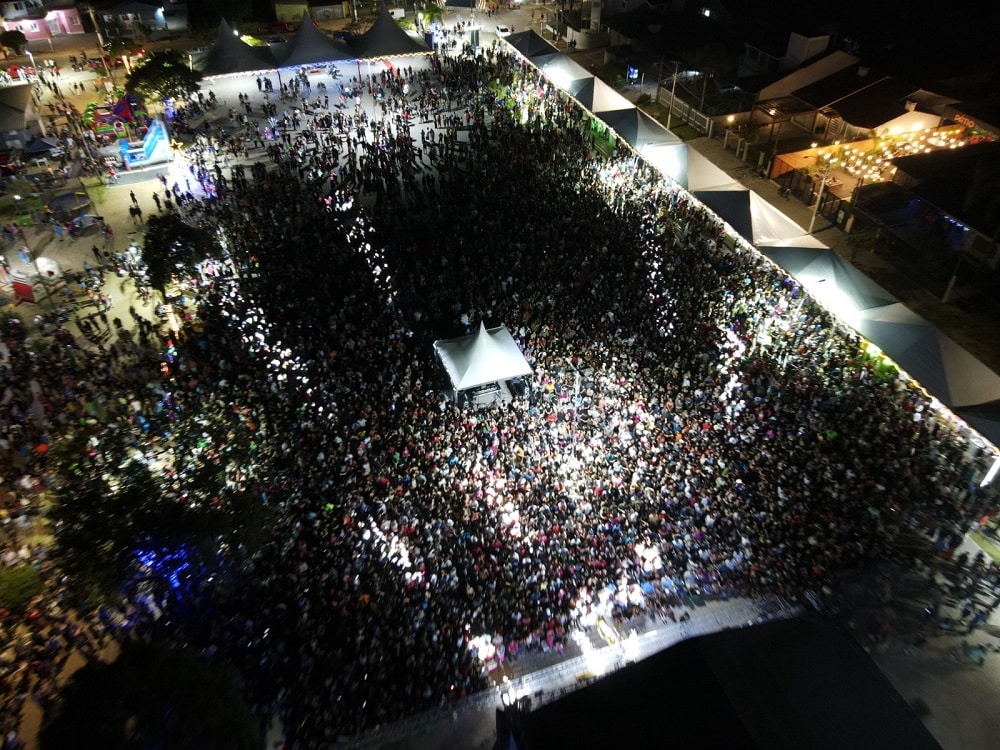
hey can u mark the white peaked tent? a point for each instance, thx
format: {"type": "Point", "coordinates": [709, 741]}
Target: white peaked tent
{"type": "Point", "coordinates": [833, 282]}
{"type": "Point", "coordinates": [562, 70]}
{"type": "Point", "coordinates": [487, 356]}
{"type": "Point", "coordinates": [769, 224]}
{"type": "Point", "coordinates": [703, 174]}
{"type": "Point", "coordinates": [597, 96]}
{"type": "Point", "coordinates": [731, 203]}
{"type": "Point", "coordinates": [638, 129]}
{"type": "Point", "coordinates": [669, 160]}
{"type": "Point", "coordinates": [931, 358]}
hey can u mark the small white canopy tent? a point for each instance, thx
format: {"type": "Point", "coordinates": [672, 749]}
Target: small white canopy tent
{"type": "Point", "coordinates": [487, 356]}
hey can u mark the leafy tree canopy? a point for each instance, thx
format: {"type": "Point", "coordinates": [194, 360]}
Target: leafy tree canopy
{"type": "Point", "coordinates": [163, 75]}
{"type": "Point", "coordinates": [19, 584]}
{"type": "Point", "coordinates": [103, 527]}
{"type": "Point", "coordinates": [14, 39]}
{"type": "Point", "coordinates": [152, 697]}
{"type": "Point", "coordinates": [172, 245]}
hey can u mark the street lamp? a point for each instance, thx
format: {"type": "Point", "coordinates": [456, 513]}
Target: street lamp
{"type": "Point", "coordinates": [729, 126]}
{"type": "Point", "coordinates": [819, 196]}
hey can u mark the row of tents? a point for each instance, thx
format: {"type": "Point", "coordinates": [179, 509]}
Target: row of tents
{"type": "Point", "coordinates": [230, 55]}
{"type": "Point", "coordinates": [946, 370]}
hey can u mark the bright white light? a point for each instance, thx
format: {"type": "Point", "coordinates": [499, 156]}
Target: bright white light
{"type": "Point", "coordinates": [991, 473]}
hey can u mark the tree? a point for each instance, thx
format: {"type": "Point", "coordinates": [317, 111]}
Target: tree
{"type": "Point", "coordinates": [14, 39]}
{"type": "Point", "coordinates": [163, 75]}
{"type": "Point", "coordinates": [19, 584]}
{"type": "Point", "coordinates": [712, 61]}
{"type": "Point", "coordinates": [152, 696]}
{"type": "Point", "coordinates": [172, 245]}
{"type": "Point", "coordinates": [107, 531]}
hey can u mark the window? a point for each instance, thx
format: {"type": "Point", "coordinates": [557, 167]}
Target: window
{"type": "Point", "coordinates": [707, 12]}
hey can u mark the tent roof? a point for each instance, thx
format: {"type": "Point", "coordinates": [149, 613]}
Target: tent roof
{"type": "Point", "coordinates": [638, 128]}
{"type": "Point", "coordinates": [561, 69]}
{"type": "Point", "coordinates": [769, 224]}
{"type": "Point", "coordinates": [40, 145]}
{"type": "Point", "coordinates": [530, 44]}
{"type": "Point", "coordinates": [232, 55]}
{"type": "Point", "coordinates": [597, 96]}
{"type": "Point", "coordinates": [703, 174]}
{"type": "Point", "coordinates": [310, 46]}
{"type": "Point", "coordinates": [486, 356]}
{"type": "Point", "coordinates": [984, 418]}
{"type": "Point", "coordinates": [732, 204]}
{"type": "Point", "coordinates": [933, 359]}
{"type": "Point", "coordinates": [831, 280]}
{"type": "Point", "coordinates": [386, 38]}
{"type": "Point", "coordinates": [670, 160]}
{"type": "Point", "coordinates": [782, 685]}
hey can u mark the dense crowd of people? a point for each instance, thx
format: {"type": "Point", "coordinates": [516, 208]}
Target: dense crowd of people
{"type": "Point", "coordinates": [695, 425]}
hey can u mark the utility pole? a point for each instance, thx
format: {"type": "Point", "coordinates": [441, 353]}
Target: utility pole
{"type": "Point", "coordinates": [673, 90]}
{"type": "Point", "coordinates": [100, 43]}
{"type": "Point", "coordinates": [659, 79]}
{"type": "Point", "coordinates": [819, 196]}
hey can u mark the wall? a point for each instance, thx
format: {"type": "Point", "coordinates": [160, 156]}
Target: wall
{"type": "Point", "coordinates": [586, 39]}
{"type": "Point", "coordinates": [811, 73]}
{"type": "Point", "coordinates": [289, 12]}
{"type": "Point", "coordinates": [801, 48]}
{"type": "Point", "coordinates": [330, 12]}
{"type": "Point", "coordinates": [32, 29]}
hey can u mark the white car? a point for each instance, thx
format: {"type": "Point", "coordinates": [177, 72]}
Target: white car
{"type": "Point", "coordinates": [503, 31]}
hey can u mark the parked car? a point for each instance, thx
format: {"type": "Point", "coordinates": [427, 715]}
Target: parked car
{"type": "Point", "coordinates": [503, 31]}
{"type": "Point", "coordinates": [729, 88]}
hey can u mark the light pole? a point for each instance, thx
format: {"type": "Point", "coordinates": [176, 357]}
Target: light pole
{"type": "Point", "coordinates": [950, 289]}
{"type": "Point", "coordinates": [819, 196]}
{"type": "Point", "coordinates": [729, 126]}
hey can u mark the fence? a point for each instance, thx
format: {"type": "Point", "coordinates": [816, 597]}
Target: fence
{"type": "Point", "coordinates": [684, 112]}
{"type": "Point", "coordinates": [800, 185]}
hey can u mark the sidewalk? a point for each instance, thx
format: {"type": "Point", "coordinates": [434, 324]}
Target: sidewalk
{"type": "Point", "coordinates": [959, 695]}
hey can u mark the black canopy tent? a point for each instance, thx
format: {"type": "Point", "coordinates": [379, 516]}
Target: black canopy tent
{"type": "Point", "coordinates": [386, 38]}
{"type": "Point", "coordinates": [230, 55]}
{"type": "Point", "coordinates": [310, 46]}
